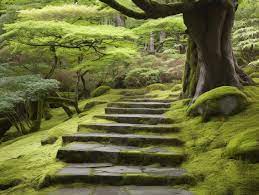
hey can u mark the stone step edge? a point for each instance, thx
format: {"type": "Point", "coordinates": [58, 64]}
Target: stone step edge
{"type": "Point", "coordinates": [116, 179]}
{"type": "Point", "coordinates": [120, 157]}
{"type": "Point", "coordinates": [137, 118]}
{"type": "Point", "coordinates": [122, 190]}
{"type": "Point", "coordinates": [122, 139]}
{"type": "Point", "coordinates": [129, 128]}
{"type": "Point", "coordinates": [114, 110]}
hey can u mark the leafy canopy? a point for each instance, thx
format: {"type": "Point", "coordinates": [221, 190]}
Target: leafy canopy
{"type": "Point", "coordinates": [168, 24]}
{"type": "Point", "coordinates": [62, 32]}
{"type": "Point", "coordinates": [67, 12]}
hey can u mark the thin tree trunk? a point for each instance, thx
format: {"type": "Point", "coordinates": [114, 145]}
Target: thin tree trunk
{"type": "Point", "coordinates": [55, 62]}
{"type": "Point", "coordinates": [152, 43]}
{"type": "Point", "coordinates": [86, 92]}
{"type": "Point", "coordinates": [120, 20]}
{"type": "Point", "coordinates": [162, 36]}
{"type": "Point", "coordinates": [77, 86]}
{"type": "Point", "coordinates": [39, 113]}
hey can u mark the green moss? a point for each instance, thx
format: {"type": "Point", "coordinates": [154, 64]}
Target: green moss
{"type": "Point", "coordinates": [224, 100]}
{"type": "Point", "coordinates": [255, 75]}
{"type": "Point", "coordinates": [256, 80]}
{"type": "Point", "coordinates": [217, 93]}
{"type": "Point", "coordinates": [207, 147]}
{"type": "Point", "coordinates": [244, 145]}
{"type": "Point", "coordinates": [176, 87]}
{"type": "Point", "coordinates": [26, 160]}
{"type": "Point", "coordinates": [100, 91]}
{"type": "Point", "coordinates": [157, 86]}
{"type": "Point", "coordinates": [208, 143]}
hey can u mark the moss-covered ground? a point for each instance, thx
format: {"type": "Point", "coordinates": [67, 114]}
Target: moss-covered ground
{"type": "Point", "coordinates": [213, 148]}
{"type": "Point", "coordinates": [23, 160]}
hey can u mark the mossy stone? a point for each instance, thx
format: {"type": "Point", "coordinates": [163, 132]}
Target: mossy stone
{"type": "Point", "coordinates": [226, 100]}
{"type": "Point", "coordinates": [49, 140]}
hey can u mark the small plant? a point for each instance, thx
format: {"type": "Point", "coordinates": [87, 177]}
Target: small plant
{"type": "Point", "coordinates": [100, 91]}
{"type": "Point", "coordinates": [141, 77]}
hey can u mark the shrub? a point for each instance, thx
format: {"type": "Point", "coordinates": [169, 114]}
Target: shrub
{"type": "Point", "coordinates": [157, 86]}
{"type": "Point", "coordinates": [141, 77]}
{"type": "Point", "coordinates": [100, 91]}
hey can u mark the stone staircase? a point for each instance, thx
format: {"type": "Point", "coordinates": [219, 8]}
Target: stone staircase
{"type": "Point", "coordinates": [133, 152]}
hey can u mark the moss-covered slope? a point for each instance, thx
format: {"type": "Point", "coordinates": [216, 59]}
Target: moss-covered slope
{"type": "Point", "coordinates": [222, 151]}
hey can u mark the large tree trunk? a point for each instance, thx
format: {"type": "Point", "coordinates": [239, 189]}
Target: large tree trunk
{"type": "Point", "coordinates": [210, 61]}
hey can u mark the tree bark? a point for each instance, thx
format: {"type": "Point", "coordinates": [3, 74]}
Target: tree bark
{"type": "Point", "coordinates": [210, 61]}
{"type": "Point", "coordinates": [152, 43]}
{"type": "Point", "coordinates": [55, 62]}
{"type": "Point", "coordinates": [120, 20]}
{"type": "Point", "coordinates": [86, 92]}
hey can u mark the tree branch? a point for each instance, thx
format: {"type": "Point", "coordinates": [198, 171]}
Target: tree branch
{"type": "Point", "coordinates": [128, 12]}
{"type": "Point", "coordinates": [153, 9]}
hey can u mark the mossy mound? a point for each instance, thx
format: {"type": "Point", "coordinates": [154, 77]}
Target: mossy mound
{"type": "Point", "coordinates": [100, 91]}
{"type": "Point", "coordinates": [255, 75]}
{"type": "Point", "coordinates": [224, 101]}
{"type": "Point", "coordinates": [156, 86]}
{"type": "Point", "coordinates": [245, 146]}
{"type": "Point", "coordinates": [256, 80]}
{"type": "Point", "coordinates": [49, 140]}
{"type": "Point", "coordinates": [176, 87]}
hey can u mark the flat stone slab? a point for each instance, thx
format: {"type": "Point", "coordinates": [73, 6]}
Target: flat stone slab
{"type": "Point", "coordinates": [123, 190]}
{"type": "Point", "coordinates": [129, 155]}
{"type": "Point", "coordinates": [148, 100]}
{"type": "Point", "coordinates": [137, 118]}
{"type": "Point", "coordinates": [139, 105]}
{"type": "Point", "coordinates": [134, 96]}
{"type": "Point", "coordinates": [129, 128]}
{"type": "Point", "coordinates": [114, 110]}
{"type": "Point", "coordinates": [121, 175]}
{"type": "Point", "coordinates": [122, 139]}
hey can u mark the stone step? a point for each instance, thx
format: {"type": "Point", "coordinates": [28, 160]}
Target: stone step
{"type": "Point", "coordinates": [122, 139]}
{"type": "Point", "coordinates": [134, 96]}
{"type": "Point", "coordinates": [148, 100]}
{"type": "Point", "coordinates": [125, 128]}
{"type": "Point", "coordinates": [120, 190]}
{"type": "Point", "coordinates": [137, 118]}
{"type": "Point", "coordinates": [108, 174]}
{"type": "Point", "coordinates": [123, 155]}
{"type": "Point", "coordinates": [114, 110]}
{"type": "Point", "coordinates": [139, 105]}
